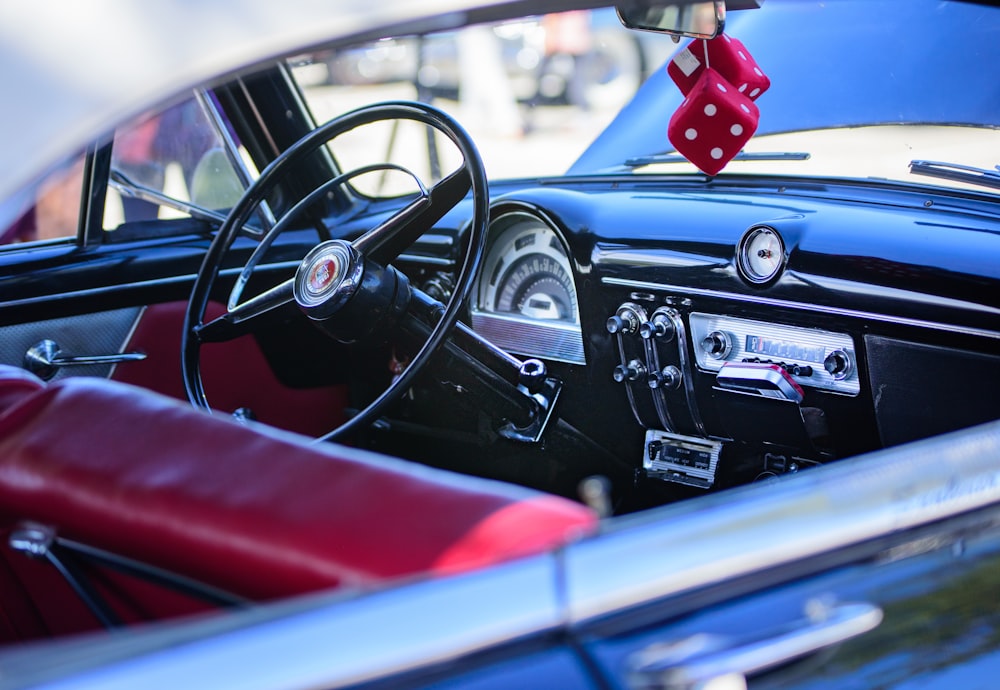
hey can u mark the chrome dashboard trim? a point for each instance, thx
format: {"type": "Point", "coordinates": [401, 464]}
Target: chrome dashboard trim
{"type": "Point", "coordinates": [641, 316]}
{"type": "Point", "coordinates": [427, 260]}
{"type": "Point", "coordinates": [686, 369]}
{"type": "Point", "coordinates": [431, 239]}
{"type": "Point", "coordinates": [558, 342]}
{"type": "Point", "coordinates": [651, 258]}
{"type": "Point", "coordinates": [659, 398]}
{"type": "Point", "coordinates": [802, 306]}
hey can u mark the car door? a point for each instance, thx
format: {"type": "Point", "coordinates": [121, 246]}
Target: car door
{"type": "Point", "coordinates": [95, 273]}
{"type": "Point", "coordinates": [876, 572]}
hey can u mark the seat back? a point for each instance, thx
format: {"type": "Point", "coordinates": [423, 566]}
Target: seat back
{"type": "Point", "coordinates": [253, 511]}
{"type": "Point", "coordinates": [16, 384]}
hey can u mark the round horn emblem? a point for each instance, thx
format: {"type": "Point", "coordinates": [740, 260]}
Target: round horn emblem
{"type": "Point", "coordinates": [322, 274]}
{"type": "Point", "coordinates": [327, 275]}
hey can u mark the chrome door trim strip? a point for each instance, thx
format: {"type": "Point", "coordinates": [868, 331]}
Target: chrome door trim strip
{"type": "Point", "coordinates": [802, 306]}
{"type": "Point", "coordinates": [720, 537]}
{"type": "Point", "coordinates": [330, 640]}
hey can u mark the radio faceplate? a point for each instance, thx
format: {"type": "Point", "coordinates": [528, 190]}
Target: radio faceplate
{"type": "Point", "coordinates": [681, 459]}
{"type": "Point", "coordinates": [814, 358]}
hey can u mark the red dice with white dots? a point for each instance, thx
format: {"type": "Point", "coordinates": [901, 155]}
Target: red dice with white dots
{"type": "Point", "coordinates": [713, 123]}
{"type": "Point", "coordinates": [727, 56]}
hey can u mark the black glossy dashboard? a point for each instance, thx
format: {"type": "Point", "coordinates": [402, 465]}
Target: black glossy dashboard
{"type": "Point", "coordinates": [716, 333]}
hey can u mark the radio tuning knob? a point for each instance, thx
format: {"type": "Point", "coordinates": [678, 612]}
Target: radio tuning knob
{"type": "Point", "coordinates": [717, 345]}
{"type": "Point", "coordinates": [660, 327]}
{"type": "Point", "coordinates": [628, 372]}
{"type": "Point", "coordinates": [839, 364]}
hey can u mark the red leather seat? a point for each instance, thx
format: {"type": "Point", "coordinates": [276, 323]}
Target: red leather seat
{"type": "Point", "coordinates": [257, 512]}
{"type": "Point", "coordinates": [16, 384]}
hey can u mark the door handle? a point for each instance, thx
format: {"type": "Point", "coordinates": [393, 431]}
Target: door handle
{"type": "Point", "coordinates": [705, 660]}
{"type": "Point", "coordinates": [45, 358]}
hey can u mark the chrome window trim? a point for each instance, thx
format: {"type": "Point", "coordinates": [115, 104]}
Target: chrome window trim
{"type": "Point", "coordinates": [110, 289]}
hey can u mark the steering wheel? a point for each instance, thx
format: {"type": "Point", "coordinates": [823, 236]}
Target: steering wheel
{"type": "Point", "coordinates": [347, 288]}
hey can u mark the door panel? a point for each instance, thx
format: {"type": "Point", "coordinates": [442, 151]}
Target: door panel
{"type": "Point", "coordinates": [939, 626]}
{"type": "Point", "coordinates": [128, 296]}
{"type": "Point", "coordinates": [95, 334]}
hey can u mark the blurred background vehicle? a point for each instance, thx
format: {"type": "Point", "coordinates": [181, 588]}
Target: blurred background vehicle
{"type": "Point", "coordinates": [616, 63]}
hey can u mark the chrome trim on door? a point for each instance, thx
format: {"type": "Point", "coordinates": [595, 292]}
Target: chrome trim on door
{"type": "Point", "coordinates": [696, 662]}
{"type": "Point", "coordinates": [720, 537]}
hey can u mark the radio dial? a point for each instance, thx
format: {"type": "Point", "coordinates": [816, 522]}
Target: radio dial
{"type": "Point", "coordinates": [838, 364]}
{"type": "Point", "coordinates": [717, 345]}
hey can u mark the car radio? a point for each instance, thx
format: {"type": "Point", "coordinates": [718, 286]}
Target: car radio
{"type": "Point", "coordinates": [811, 358]}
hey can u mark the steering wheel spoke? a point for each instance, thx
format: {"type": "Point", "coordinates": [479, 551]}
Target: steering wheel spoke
{"type": "Point", "coordinates": [237, 321]}
{"type": "Point", "coordinates": [385, 242]}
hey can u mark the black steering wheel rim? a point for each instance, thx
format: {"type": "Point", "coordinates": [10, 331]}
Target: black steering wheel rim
{"type": "Point", "coordinates": [472, 166]}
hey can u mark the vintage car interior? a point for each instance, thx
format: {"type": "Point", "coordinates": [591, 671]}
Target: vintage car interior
{"type": "Point", "coordinates": [392, 321]}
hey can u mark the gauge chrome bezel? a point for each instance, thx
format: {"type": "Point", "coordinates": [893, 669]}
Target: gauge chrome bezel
{"type": "Point", "coordinates": [745, 264]}
{"type": "Point", "coordinates": [558, 340]}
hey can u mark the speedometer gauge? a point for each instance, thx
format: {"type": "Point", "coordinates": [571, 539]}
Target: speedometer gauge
{"type": "Point", "coordinates": [527, 273]}
{"type": "Point", "coordinates": [525, 300]}
{"type": "Point", "coordinates": [760, 255]}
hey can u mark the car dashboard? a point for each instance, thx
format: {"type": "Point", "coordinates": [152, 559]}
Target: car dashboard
{"type": "Point", "coordinates": [712, 334]}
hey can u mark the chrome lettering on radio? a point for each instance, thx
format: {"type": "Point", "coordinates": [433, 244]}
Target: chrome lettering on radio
{"type": "Point", "coordinates": [758, 345]}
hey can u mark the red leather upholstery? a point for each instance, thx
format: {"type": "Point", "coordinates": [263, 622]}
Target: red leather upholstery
{"type": "Point", "coordinates": [235, 374]}
{"type": "Point", "coordinates": [254, 511]}
{"type": "Point", "coordinates": [16, 384]}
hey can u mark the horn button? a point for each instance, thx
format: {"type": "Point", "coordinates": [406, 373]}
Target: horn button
{"type": "Point", "coordinates": [347, 295]}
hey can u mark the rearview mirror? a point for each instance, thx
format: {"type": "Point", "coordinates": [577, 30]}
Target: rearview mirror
{"type": "Point", "coordinates": [705, 19]}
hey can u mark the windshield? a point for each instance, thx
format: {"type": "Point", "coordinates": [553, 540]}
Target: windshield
{"type": "Point", "coordinates": [532, 93]}
{"type": "Point", "coordinates": [858, 89]}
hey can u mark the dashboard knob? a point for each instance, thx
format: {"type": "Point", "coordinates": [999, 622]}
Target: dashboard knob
{"type": "Point", "coordinates": [670, 377]}
{"type": "Point", "coordinates": [717, 344]}
{"type": "Point", "coordinates": [615, 324]}
{"type": "Point", "coordinates": [623, 322]}
{"type": "Point", "coordinates": [532, 375]}
{"type": "Point", "coordinates": [628, 372]}
{"type": "Point", "coordinates": [660, 327]}
{"type": "Point", "coordinates": [839, 364]}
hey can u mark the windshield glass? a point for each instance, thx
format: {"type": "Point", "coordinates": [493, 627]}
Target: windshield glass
{"type": "Point", "coordinates": [532, 93]}
{"type": "Point", "coordinates": [858, 89]}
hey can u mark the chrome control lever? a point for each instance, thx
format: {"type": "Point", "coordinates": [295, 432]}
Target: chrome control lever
{"type": "Point", "coordinates": [45, 358]}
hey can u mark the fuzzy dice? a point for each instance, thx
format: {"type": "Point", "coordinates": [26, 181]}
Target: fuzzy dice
{"type": "Point", "coordinates": [713, 123]}
{"type": "Point", "coordinates": [727, 56]}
